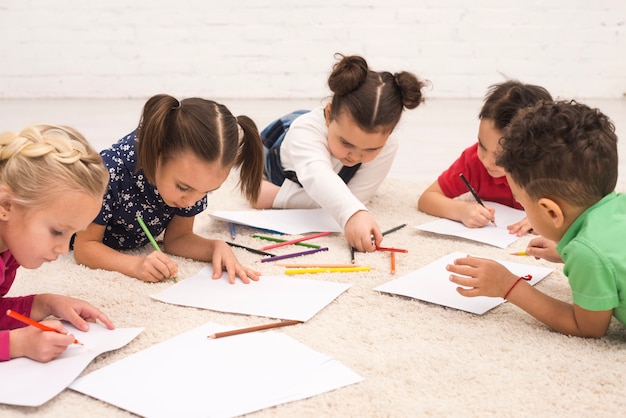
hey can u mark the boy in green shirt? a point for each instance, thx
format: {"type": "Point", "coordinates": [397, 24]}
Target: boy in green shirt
{"type": "Point", "coordinates": [560, 160]}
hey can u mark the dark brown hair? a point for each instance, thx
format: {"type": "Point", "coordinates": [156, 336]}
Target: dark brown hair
{"type": "Point", "coordinates": [375, 100]}
{"type": "Point", "coordinates": [561, 150]}
{"type": "Point", "coordinates": [503, 100]}
{"type": "Point", "coordinates": [206, 128]}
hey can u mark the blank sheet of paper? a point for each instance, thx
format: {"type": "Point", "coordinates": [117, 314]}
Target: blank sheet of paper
{"type": "Point", "coordinates": [497, 236]}
{"type": "Point", "coordinates": [272, 296]}
{"type": "Point", "coordinates": [288, 221]}
{"type": "Point", "coordinates": [30, 383]}
{"type": "Point", "coordinates": [431, 284]}
{"type": "Point", "coordinates": [192, 375]}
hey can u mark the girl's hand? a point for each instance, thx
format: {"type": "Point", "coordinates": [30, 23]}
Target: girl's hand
{"type": "Point", "coordinates": [39, 345]}
{"type": "Point", "coordinates": [360, 229]}
{"type": "Point", "coordinates": [520, 228]}
{"type": "Point", "coordinates": [541, 247]}
{"type": "Point", "coordinates": [483, 277]}
{"type": "Point", "coordinates": [75, 311]}
{"type": "Point", "coordinates": [224, 259]}
{"type": "Point", "coordinates": [156, 267]}
{"type": "Point", "coordinates": [475, 215]}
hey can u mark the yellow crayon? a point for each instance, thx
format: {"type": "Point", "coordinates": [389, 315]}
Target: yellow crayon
{"type": "Point", "coordinates": [520, 253]}
{"type": "Point", "coordinates": [328, 270]}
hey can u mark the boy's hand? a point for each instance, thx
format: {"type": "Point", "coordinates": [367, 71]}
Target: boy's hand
{"type": "Point", "coordinates": [483, 277]}
{"type": "Point", "coordinates": [520, 228]}
{"type": "Point", "coordinates": [541, 247]}
{"type": "Point", "coordinates": [475, 215]}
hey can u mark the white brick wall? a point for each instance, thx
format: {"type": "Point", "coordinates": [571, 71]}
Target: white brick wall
{"type": "Point", "coordinates": [284, 49]}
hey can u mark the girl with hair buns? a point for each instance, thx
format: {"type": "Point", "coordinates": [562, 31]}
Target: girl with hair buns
{"type": "Point", "coordinates": [336, 156]}
{"type": "Point", "coordinates": [162, 172]}
{"type": "Point", "coordinates": [51, 186]}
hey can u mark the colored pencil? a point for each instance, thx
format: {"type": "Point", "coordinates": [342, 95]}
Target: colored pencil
{"type": "Point", "coordinates": [269, 231]}
{"type": "Point", "coordinates": [473, 192]}
{"type": "Point", "coordinates": [393, 262]}
{"type": "Point", "coordinates": [253, 329]}
{"type": "Point", "coordinates": [151, 238]}
{"type": "Point", "coordinates": [282, 257]}
{"type": "Point", "coordinates": [313, 265]}
{"type": "Point", "coordinates": [252, 250]}
{"type": "Point", "coordinates": [395, 250]}
{"type": "Point", "coordinates": [394, 229]}
{"type": "Point", "coordinates": [352, 255]}
{"type": "Point", "coordinates": [293, 241]}
{"type": "Point", "coordinates": [233, 233]}
{"type": "Point", "coordinates": [303, 244]}
{"type": "Point", "coordinates": [328, 270]}
{"type": "Point", "coordinates": [27, 320]}
{"type": "Point", "coordinates": [520, 253]}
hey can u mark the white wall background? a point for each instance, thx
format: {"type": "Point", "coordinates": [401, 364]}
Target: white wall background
{"type": "Point", "coordinates": [284, 49]}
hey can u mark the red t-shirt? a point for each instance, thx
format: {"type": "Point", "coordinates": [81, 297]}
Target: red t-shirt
{"type": "Point", "coordinates": [21, 304]}
{"type": "Point", "coordinates": [488, 188]}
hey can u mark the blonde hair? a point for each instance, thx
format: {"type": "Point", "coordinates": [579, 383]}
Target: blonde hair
{"type": "Point", "coordinates": [43, 162]}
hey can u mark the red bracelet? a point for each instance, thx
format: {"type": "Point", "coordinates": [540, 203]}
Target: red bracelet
{"type": "Point", "coordinates": [527, 278]}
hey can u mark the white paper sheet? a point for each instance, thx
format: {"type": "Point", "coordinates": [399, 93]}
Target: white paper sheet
{"type": "Point", "coordinates": [30, 383]}
{"type": "Point", "coordinates": [497, 236]}
{"type": "Point", "coordinates": [272, 296]}
{"type": "Point", "coordinates": [431, 284]}
{"type": "Point", "coordinates": [287, 221]}
{"type": "Point", "coordinates": [191, 375]}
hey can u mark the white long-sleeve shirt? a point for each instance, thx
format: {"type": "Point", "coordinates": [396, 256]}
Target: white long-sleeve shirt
{"type": "Point", "coordinates": [305, 151]}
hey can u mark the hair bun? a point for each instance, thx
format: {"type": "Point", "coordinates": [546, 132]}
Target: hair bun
{"type": "Point", "coordinates": [410, 88]}
{"type": "Point", "coordinates": [348, 74]}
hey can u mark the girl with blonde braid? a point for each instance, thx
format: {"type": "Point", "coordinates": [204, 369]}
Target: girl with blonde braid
{"type": "Point", "coordinates": [51, 186]}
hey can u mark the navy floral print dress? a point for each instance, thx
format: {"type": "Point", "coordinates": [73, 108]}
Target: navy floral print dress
{"type": "Point", "coordinates": [129, 195]}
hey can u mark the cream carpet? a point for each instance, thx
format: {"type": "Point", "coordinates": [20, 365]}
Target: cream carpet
{"type": "Point", "coordinates": [417, 359]}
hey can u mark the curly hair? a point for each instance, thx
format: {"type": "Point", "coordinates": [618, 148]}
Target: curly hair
{"type": "Point", "coordinates": [562, 150]}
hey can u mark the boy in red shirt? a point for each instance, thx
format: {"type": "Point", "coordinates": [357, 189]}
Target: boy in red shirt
{"type": "Point", "coordinates": [478, 163]}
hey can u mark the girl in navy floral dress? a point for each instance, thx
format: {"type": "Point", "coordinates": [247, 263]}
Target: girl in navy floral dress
{"type": "Point", "coordinates": [163, 172]}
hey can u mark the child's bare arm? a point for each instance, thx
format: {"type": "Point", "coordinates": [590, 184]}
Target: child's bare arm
{"type": "Point", "coordinates": [434, 202]}
{"type": "Point", "coordinates": [489, 278]}
{"type": "Point", "coordinates": [91, 252]}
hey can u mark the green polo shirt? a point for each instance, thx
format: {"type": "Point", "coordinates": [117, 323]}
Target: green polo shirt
{"type": "Point", "coordinates": [594, 252]}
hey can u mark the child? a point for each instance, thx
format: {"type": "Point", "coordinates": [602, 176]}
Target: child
{"type": "Point", "coordinates": [336, 156]}
{"type": "Point", "coordinates": [477, 163]}
{"type": "Point", "coordinates": [163, 172]}
{"type": "Point", "coordinates": [51, 185]}
{"type": "Point", "coordinates": [560, 160]}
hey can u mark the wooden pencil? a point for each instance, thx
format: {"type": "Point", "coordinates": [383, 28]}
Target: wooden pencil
{"type": "Point", "coordinates": [253, 329]}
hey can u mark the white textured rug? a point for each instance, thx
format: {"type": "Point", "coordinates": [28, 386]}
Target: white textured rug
{"type": "Point", "coordinates": [417, 359]}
